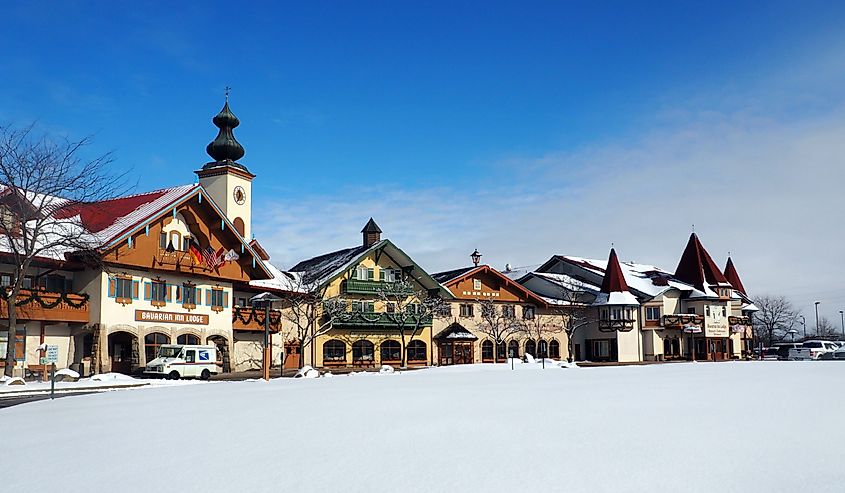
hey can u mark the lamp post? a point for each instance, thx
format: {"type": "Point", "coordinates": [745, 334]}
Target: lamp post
{"type": "Point", "coordinates": [804, 325]}
{"type": "Point", "coordinates": [267, 300]}
{"type": "Point", "coordinates": [792, 333]}
{"type": "Point", "coordinates": [842, 316]}
{"type": "Point", "coordinates": [476, 257]}
{"type": "Point", "coordinates": [817, 317]}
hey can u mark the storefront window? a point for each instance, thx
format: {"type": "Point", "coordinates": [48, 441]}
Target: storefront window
{"type": "Point", "coordinates": [152, 342]}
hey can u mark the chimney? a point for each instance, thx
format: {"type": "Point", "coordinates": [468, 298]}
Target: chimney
{"type": "Point", "coordinates": [372, 233]}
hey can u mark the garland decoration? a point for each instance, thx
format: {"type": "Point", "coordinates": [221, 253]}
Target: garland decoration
{"type": "Point", "coordinates": [35, 296]}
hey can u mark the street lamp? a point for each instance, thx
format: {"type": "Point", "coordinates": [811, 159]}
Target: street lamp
{"type": "Point", "coordinates": [817, 317]}
{"type": "Point", "coordinates": [267, 300]}
{"type": "Point", "coordinates": [842, 316]}
{"type": "Point", "coordinates": [804, 325]}
{"type": "Point", "coordinates": [792, 333]}
{"type": "Point", "coordinates": [476, 257]}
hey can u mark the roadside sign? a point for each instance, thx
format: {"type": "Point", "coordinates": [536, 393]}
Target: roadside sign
{"type": "Point", "coordinates": [52, 353]}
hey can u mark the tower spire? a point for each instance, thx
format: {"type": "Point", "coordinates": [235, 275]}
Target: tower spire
{"type": "Point", "coordinates": [225, 149]}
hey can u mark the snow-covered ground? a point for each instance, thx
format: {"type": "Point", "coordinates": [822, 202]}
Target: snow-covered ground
{"type": "Point", "coordinates": [104, 381]}
{"type": "Point", "coordinates": [745, 426]}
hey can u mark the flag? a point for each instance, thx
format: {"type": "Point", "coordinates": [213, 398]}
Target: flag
{"type": "Point", "coordinates": [194, 250]}
{"type": "Point", "coordinates": [231, 256]}
{"type": "Point", "coordinates": [213, 259]}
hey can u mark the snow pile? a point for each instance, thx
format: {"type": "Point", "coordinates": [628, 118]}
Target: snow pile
{"type": "Point", "coordinates": [567, 364]}
{"type": "Point", "coordinates": [14, 381]}
{"type": "Point", "coordinates": [386, 369]}
{"type": "Point", "coordinates": [307, 371]}
{"type": "Point", "coordinates": [111, 377]}
{"type": "Point", "coordinates": [632, 422]}
{"type": "Point", "coordinates": [66, 375]}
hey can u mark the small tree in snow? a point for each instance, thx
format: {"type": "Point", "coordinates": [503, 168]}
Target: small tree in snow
{"type": "Point", "coordinates": [308, 313]}
{"type": "Point", "coordinates": [542, 328]}
{"type": "Point", "coordinates": [499, 324]}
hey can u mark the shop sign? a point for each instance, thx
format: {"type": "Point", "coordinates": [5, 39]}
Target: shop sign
{"type": "Point", "coordinates": [171, 317]}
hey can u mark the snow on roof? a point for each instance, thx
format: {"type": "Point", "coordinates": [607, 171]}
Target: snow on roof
{"type": "Point", "coordinates": [319, 269]}
{"type": "Point", "coordinates": [616, 298]}
{"type": "Point", "coordinates": [281, 280]}
{"type": "Point", "coordinates": [446, 276]}
{"type": "Point", "coordinates": [647, 279]}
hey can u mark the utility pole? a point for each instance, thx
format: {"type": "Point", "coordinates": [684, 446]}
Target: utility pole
{"type": "Point", "coordinates": [842, 316]}
{"type": "Point", "coordinates": [817, 317]}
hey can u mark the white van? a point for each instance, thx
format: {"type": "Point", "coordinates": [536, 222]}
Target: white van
{"type": "Point", "coordinates": [177, 361]}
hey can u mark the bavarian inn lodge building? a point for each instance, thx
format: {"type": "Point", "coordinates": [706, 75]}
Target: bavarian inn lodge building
{"type": "Point", "coordinates": [180, 265]}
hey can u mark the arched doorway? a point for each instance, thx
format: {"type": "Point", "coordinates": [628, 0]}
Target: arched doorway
{"type": "Point", "coordinates": [531, 347]}
{"type": "Point", "coordinates": [189, 339]}
{"type": "Point", "coordinates": [124, 355]}
{"type": "Point", "coordinates": [152, 342]}
{"type": "Point", "coordinates": [222, 352]}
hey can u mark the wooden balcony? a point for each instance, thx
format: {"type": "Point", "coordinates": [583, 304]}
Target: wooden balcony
{"type": "Point", "coordinates": [48, 307]}
{"type": "Point", "coordinates": [380, 320]}
{"type": "Point", "coordinates": [358, 286]}
{"type": "Point", "coordinates": [678, 321]}
{"type": "Point", "coordinates": [619, 325]}
{"type": "Point", "coordinates": [252, 319]}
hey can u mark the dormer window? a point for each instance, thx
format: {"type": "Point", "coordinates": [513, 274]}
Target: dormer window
{"type": "Point", "coordinates": [389, 275]}
{"type": "Point", "coordinates": [476, 284]}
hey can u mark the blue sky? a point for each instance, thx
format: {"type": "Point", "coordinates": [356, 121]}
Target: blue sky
{"type": "Point", "coordinates": [497, 125]}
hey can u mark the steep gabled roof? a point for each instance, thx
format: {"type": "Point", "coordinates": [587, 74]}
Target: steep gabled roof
{"type": "Point", "coordinates": [733, 277]}
{"type": "Point", "coordinates": [697, 267]}
{"type": "Point", "coordinates": [315, 269]}
{"type": "Point", "coordinates": [451, 278]}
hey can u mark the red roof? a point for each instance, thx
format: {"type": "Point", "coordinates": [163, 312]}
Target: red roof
{"type": "Point", "coordinates": [697, 267]}
{"type": "Point", "coordinates": [97, 216]}
{"type": "Point", "coordinates": [614, 280]}
{"type": "Point", "coordinates": [733, 277]}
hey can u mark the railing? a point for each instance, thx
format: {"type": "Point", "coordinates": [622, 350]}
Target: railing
{"type": "Point", "coordinates": [358, 286]}
{"type": "Point", "coordinates": [250, 318]}
{"type": "Point", "coordinates": [732, 320]}
{"type": "Point", "coordinates": [48, 306]}
{"type": "Point", "coordinates": [370, 319]}
{"type": "Point", "coordinates": [619, 325]}
{"type": "Point", "coordinates": [678, 321]}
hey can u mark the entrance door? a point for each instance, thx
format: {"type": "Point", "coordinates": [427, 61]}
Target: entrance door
{"type": "Point", "coordinates": [293, 354]}
{"type": "Point", "coordinates": [463, 353]}
{"type": "Point", "coordinates": [120, 352]}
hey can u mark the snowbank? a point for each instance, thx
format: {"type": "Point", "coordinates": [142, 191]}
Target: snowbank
{"type": "Point", "coordinates": [307, 371]}
{"type": "Point", "coordinates": [613, 429]}
{"type": "Point", "coordinates": [111, 377]}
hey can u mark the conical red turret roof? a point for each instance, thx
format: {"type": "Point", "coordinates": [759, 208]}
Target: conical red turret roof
{"type": "Point", "coordinates": [614, 289]}
{"type": "Point", "coordinates": [613, 280]}
{"type": "Point", "coordinates": [733, 277]}
{"type": "Point", "coordinates": [697, 267]}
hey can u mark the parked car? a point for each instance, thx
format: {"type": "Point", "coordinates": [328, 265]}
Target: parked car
{"type": "Point", "coordinates": [779, 350]}
{"type": "Point", "coordinates": [838, 355]}
{"type": "Point", "coordinates": [812, 350]}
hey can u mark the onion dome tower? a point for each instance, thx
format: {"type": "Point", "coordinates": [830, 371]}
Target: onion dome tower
{"type": "Point", "coordinates": [226, 180]}
{"type": "Point", "coordinates": [616, 303]}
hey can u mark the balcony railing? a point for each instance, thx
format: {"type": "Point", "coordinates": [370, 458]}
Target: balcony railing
{"type": "Point", "coordinates": [616, 325]}
{"type": "Point", "coordinates": [370, 319]}
{"type": "Point", "coordinates": [739, 320]}
{"type": "Point", "coordinates": [358, 286]}
{"type": "Point", "coordinates": [48, 306]}
{"type": "Point", "coordinates": [678, 321]}
{"type": "Point", "coordinates": [250, 318]}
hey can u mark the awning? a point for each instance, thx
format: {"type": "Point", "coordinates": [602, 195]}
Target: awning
{"type": "Point", "coordinates": [456, 331]}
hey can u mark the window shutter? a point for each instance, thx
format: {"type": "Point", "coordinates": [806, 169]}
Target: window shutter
{"type": "Point", "coordinates": [112, 287]}
{"type": "Point", "coordinates": [178, 294]}
{"type": "Point", "coordinates": [148, 291]}
{"type": "Point", "coordinates": [167, 291]}
{"type": "Point", "coordinates": [207, 297]}
{"type": "Point", "coordinates": [135, 290]}
{"type": "Point", "coordinates": [198, 296]}
{"type": "Point", "coordinates": [225, 299]}
{"type": "Point", "coordinates": [381, 274]}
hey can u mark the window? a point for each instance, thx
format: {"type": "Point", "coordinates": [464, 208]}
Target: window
{"type": "Point", "coordinates": [360, 273]}
{"type": "Point", "coordinates": [543, 349]}
{"type": "Point", "coordinates": [152, 342]}
{"type": "Point", "coordinates": [604, 314]}
{"type": "Point", "coordinates": [188, 339]}
{"type": "Point", "coordinates": [528, 312]}
{"type": "Point", "coordinates": [189, 294]}
{"type": "Point", "coordinates": [389, 275]}
{"type": "Point", "coordinates": [190, 356]}
{"type": "Point", "coordinates": [186, 243]}
{"type": "Point", "coordinates": [476, 284]}
{"type": "Point", "coordinates": [217, 298]}
{"type": "Point", "coordinates": [501, 353]}
{"type": "Point", "coordinates": [554, 349]}
{"type": "Point", "coordinates": [175, 240]}
{"type": "Point", "coordinates": [28, 282]}
{"type": "Point", "coordinates": [416, 351]}
{"type": "Point", "coordinates": [513, 349]}
{"type": "Point", "coordinates": [162, 240]}
{"type": "Point", "coordinates": [242, 302]}
{"type": "Point", "coordinates": [369, 307]}
{"type": "Point", "coordinates": [123, 288]}
{"type": "Point", "coordinates": [20, 344]}
{"type": "Point", "coordinates": [508, 311]}
{"type": "Point", "coordinates": [391, 351]}
{"type": "Point", "coordinates": [601, 349]}
{"type": "Point", "coordinates": [334, 351]}
{"type": "Point", "coordinates": [158, 292]}
{"type": "Point", "coordinates": [466, 311]}
{"type": "Point", "coordinates": [486, 351]}
{"type": "Point", "coordinates": [531, 347]}
{"type": "Point", "coordinates": [390, 307]}
{"type": "Point", "coordinates": [616, 314]}
{"type": "Point", "coordinates": [652, 313]}
{"type": "Point", "coordinates": [413, 308]}
{"type": "Point", "coordinates": [362, 351]}
{"type": "Point", "coordinates": [357, 306]}
{"type": "Point", "coordinates": [5, 280]}
{"type": "Point", "coordinates": [691, 310]}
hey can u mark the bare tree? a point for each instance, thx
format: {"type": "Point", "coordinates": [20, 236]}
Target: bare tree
{"type": "Point", "coordinates": [409, 308]}
{"type": "Point", "coordinates": [775, 317]}
{"type": "Point", "coordinates": [310, 314]}
{"type": "Point", "coordinates": [573, 310]}
{"type": "Point", "coordinates": [499, 324]}
{"type": "Point", "coordinates": [826, 329]}
{"type": "Point", "coordinates": [42, 182]}
{"type": "Point", "coordinates": [542, 328]}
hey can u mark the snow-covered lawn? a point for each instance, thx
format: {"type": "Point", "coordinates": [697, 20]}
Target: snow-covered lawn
{"type": "Point", "coordinates": [105, 381]}
{"type": "Point", "coordinates": [753, 426]}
